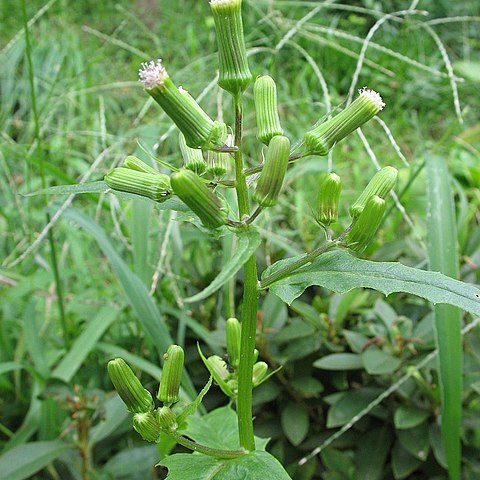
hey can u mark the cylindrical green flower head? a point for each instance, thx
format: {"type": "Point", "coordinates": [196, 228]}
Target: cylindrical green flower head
{"type": "Point", "coordinates": [366, 224]}
{"type": "Point", "coordinates": [199, 129]}
{"type": "Point", "coordinates": [234, 72]}
{"type": "Point", "coordinates": [233, 333]}
{"type": "Point", "coordinates": [271, 179]}
{"type": "Point", "coordinates": [167, 419]}
{"type": "Point", "coordinates": [381, 184]}
{"type": "Point", "coordinates": [218, 163]}
{"type": "Point", "coordinates": [134, 163]}
{"type": "Point", "coordinates": [259, 372]}
{"type": "Point", "coordinates": [327, 199]}
{"type": "Point", "coordinates": [193, 191]}
{"type": "Point", "coordinates": [192, 157]}
{"type": "Point", "coordinates": [171, 375]}
{"type": "Point", "coordinates": [146, 424]}
{"type": "Point", "coordinates": [321, 139]}
{"type": "Point", "coordinates": [265, 98]}
{"type": "Point", "coordinates": [128, 386]}
{"type": "Point", "coordinates": [154, 186]}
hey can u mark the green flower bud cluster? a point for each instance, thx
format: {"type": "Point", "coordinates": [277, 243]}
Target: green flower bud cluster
{"type": "Point", "coordinates": [366, 212]}
{"type": "Point", "coordinates": [218, 163]}
{"type": "Point", "coordinates": [234, 71]}
{"type": "Point", "coordinates": [328, 198]}
{"type": "Point", "coordinates": [321, 139]}
{"type": "Point", "coordinates": [225, 374]}
{"type": "Point", "coordinates": [265, 98]}
{"type": "Point", "coordinates": [171, 375]}
{"type": "Point", "coordinates": [192, 157]}
{"type": "Point", "coordinates": [135, 176]}
{"type": "Point", "coordinates": [148, 421]}
{"type": "Point", "coordinates": [271, 179]}
{"type": "Point", "coordinates": [199, 129]}
{"type": "Point", "coordinates": [193, 191]}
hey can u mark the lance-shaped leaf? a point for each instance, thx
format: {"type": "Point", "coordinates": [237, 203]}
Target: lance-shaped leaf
{"type": "Point", "coordinates": [341, 272]}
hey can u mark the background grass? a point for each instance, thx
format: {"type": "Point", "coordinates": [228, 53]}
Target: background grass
{"type": "Point", "coordinates": [91, 114]}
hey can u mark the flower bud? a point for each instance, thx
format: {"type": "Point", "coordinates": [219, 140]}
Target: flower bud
{"type": "Point", "coordinates": [234, 72]}
{"type": "Point", "coordinates": [259, 372]}
{"type": "Point", "coordinates": [328, 197]}
{"type": "Point", "coordinates": [166, 419]}
{"type": "Point", "coordinates": [128, 386]}
{"type": "Point", "coordinates": [380, 184]}
{"type": "Point", "coordinates": [193, 191]}
{"type": "Point", "coordinates": [171, 375]}
{"type": "Point", "coordinates": [156, 187]}
{"type": "Point", "coordinates": [233, 333]}
{"type": "Point", "coordinates": [256, 353]}
{"type": "Point", "coordinates": [265, 98]}
{"type": "Point", "coordinates": [366, 225]}
{"type": "Point", "coordinates": [219, 371]}
{"type": "Point", "coordinates": [134, 163]}
{"type": "Point", "coordinates": [199, 129]}
{"type": "Point", "coordinates": [271, 179]}
{"type": "Point", "coordinates": [219, 162]}
{"type": "Point", "coordinates": [321, 139]}
{"type": "Point", "coordinates": [192, 157]}
{"type": "Point", "coordinates": [146, 424]}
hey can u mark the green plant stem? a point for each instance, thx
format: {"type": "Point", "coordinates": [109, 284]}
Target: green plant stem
{"type": "Point", "coordinates": [212, 452]}
{"type": "Point", "coordinates": [250, 302]}
{"type": "Point", "coordinates": [53, 253]}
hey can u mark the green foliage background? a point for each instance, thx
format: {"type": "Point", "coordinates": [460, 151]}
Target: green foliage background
{"type": "Point", "coordinates": [92, 111]}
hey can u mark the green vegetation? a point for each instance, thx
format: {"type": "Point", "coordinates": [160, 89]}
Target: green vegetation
{"type": "Point", "coordinates": [88, 276]}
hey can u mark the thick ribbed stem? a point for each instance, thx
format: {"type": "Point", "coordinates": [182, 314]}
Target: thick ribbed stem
{"type": "Point", "coordinates": [250, 303]}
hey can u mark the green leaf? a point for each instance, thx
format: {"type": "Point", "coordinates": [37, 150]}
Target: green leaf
{"type": "Point", "coordinates": [115, 414]}
{"type": "Point", "coordinates": [337, 462]}
{"type": "Point", "coordinates": [173, 203]}
{"type": "Point", "coordinates": [90, 187]}
{"type": "Point", "coordinates": [371, 467]}
{"type": "Point", "coordinates": [341, 272]}
{"type": "Point", "coordinates": [6, 367]}
{"type": "Point", "coordinates": [137, 293]}
{"type": "Point", "coordinates": [416, 440]}
{"type": "Point", "coordinates": [25, 460]}
{"type": "Point", "coordinates": [349, 405]}
{"type": "Point", "coordinates": [443, 256]}
{"type": "Point", "coordinates": [84, 344]}
{"type": "Point", "coordinates": [409, 417]}
{"type": "Point", "coordinates": [218, 429]}
{"type": "Point", "coordinates": [295, 423]}
{"type": "Point", "coordinates": [255, 465]}
{"type": "Point", "coordinates": [356, 341]}
{"type": "Point", "coordinates": [339, 361]}
{"type": "Point", "coordinates": [247, 244]}
{"type": "Point", "coordinates": [378, 362]}
{"type": "Point", "coordinates": [132, 461]}
{"type": "Point", "coordinates": [403, 463]}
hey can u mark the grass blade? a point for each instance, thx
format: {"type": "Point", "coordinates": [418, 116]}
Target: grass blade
{"type": "Point", "coordinates": [137, 293]}
{"type": "Point", "coordinates": [83, 345]}
{"type": "Point", "coordinates": [443, 257]}
{"type": "Point", "coordinates": [23, 461]}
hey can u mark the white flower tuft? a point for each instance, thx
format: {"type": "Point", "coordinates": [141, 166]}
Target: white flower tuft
{"type": "Point", "coordinates": [373, 96]}
{"type": "Point", "coordinates": [152, 74]}
{"type": "Point", "coordinates": [221, 3]}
